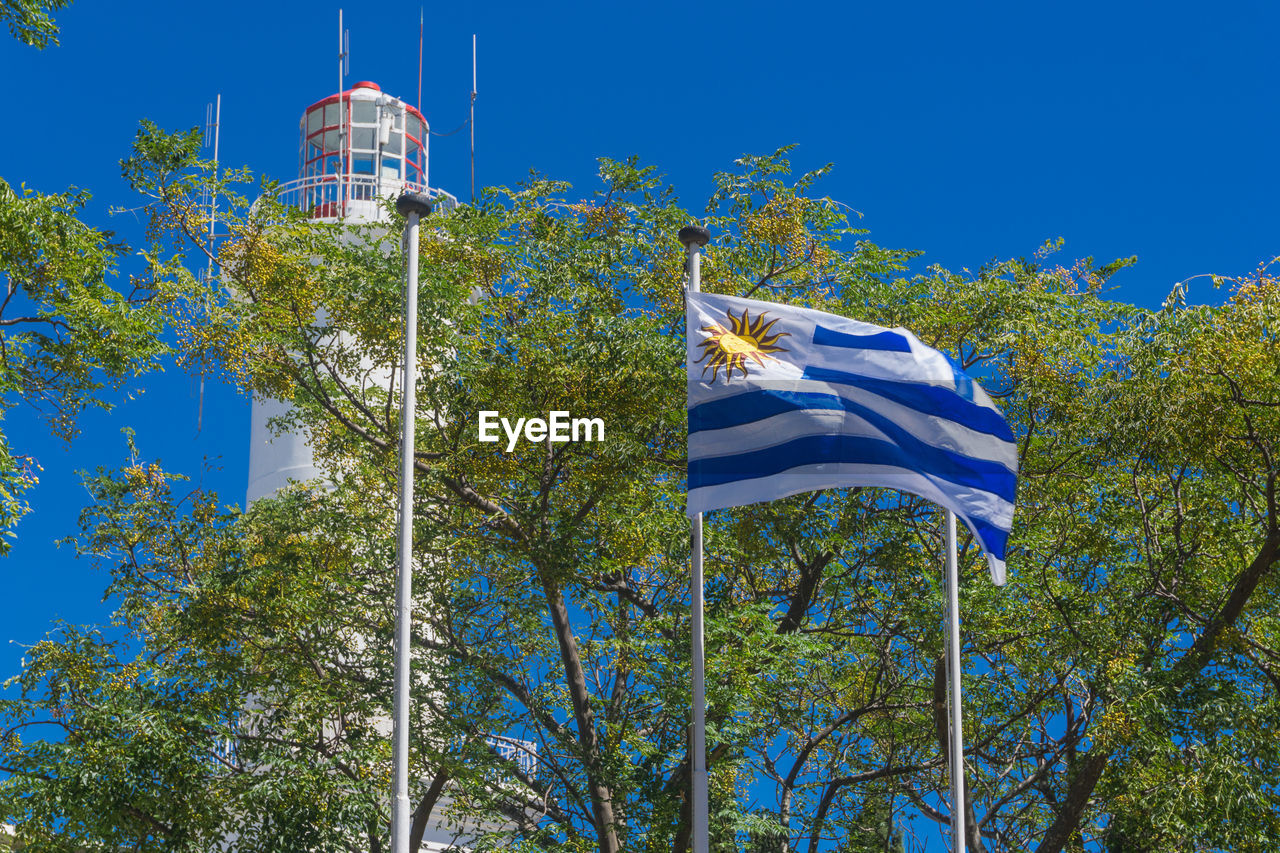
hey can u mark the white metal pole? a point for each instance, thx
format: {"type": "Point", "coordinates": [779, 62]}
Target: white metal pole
{"type": "Point", "coordinates": [343, 130]}
{"type": "Point", "coordinates": [420, 20]}
{"type": "Point", "coordinates": [953, 667]}
{"type": "Point", "coordinates": [213, 220]}
{"type": "Point", "coordinates": [213, 194]}
{"type": "Point", "coordinates": [698, 741]}
{"type": "Point", "coordinates": [413, 206]}
{"type": "Point", "coordinates": [339, 172]}
{"type": "Point", "coordinates": [694, 238]}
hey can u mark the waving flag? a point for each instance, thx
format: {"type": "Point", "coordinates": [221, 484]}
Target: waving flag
{"type": "Point", "coordinates": [785, 400]}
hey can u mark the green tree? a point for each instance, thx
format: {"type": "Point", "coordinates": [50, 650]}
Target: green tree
{"type": "Point", "coordinates": [31, 21]}
{"type": "Point", "coordinates": [1120, 692]}
{"type": "Point", "coordinates": [69, 332]}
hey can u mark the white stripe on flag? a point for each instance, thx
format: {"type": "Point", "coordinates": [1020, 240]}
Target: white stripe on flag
{"type": "Point", "coordinates": [833, 475]}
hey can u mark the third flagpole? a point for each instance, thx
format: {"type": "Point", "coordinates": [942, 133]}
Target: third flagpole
{"type": "Point", "coordinates": [953, 666]}
{"type": "Point", "coordinates": [694, 237]}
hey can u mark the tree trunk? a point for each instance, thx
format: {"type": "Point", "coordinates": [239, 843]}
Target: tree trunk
{"type": "Point", "coordinates": [423, 812]}
{"type": "Point", "coordinates": [1078, 793]}
{"type": "Point", "coordinates": [576, 680]}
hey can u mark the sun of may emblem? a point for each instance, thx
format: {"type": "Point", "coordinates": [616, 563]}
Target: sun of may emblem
{"type": "Point", "coordinates": [744, 339]}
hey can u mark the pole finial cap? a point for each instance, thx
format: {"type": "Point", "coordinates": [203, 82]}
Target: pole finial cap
{"type": "Point", "coordinates": [691, 234]}
{"type": "Point", "coordinates": [411, 202]}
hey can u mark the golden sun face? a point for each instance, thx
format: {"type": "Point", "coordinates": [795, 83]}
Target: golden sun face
{"type": "Point", "coordinates": [744, 339]}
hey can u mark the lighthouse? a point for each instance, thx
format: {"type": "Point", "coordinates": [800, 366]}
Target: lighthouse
{"type": "Point", "coordinates": [356, 149]}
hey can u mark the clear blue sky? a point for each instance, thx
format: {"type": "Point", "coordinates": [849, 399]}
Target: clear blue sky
{"type": "Point", "coordinates": [967, 130]}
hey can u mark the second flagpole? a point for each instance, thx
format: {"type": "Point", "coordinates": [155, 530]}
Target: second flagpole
{"type": "Point", "coordinates": [953, 665]}
{"type": "Point", "coordinates": [694, 237]}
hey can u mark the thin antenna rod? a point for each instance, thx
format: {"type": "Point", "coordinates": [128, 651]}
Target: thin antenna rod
{"type": "Point", "coordinates": [213, 195]}
{"type": "Point", "coordinates": [344, 63]}
{"type": "Point", "coordinates": [213, 221]}
{"type": "Point", "coordinates": [419, 61]}
{"type": "Point", "coordinates": [473, 119]}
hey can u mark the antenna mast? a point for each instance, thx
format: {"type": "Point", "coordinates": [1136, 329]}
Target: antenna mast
{"type": "Point", "coordinates": [213, 194]}
{"type": "Point", "coordinates": [212, 125]}
{"type": "Point", "coordinates": [344, 68]}
{"type": "Point", "coordinates": [420, 61]}
{"type": "Point", "coordinates": [473, 119]}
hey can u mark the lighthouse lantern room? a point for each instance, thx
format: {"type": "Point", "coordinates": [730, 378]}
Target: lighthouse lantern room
{"type": "Point", "coordinates": [357, 148]}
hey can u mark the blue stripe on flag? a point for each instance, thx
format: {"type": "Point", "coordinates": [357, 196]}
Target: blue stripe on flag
{"type": "Point", "coordinates": [993, 540]}
{"type": "Point", "coordinates": [850, 450]}
{"type": "Point", "coordinates": [906, 451]}
{"type": "Point", "coordinates": [929, 399]}
{"type": "Point", "coordinates": [883, 341]}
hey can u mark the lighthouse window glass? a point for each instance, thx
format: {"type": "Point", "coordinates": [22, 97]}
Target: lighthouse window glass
{"type": "Point", "coordinates": [415, 127]}
{"type": "Point", "coordinates": [331, 140]}
{"type": "Point", "coordinates": [330, 115]}
{"type": "Point", "coordinates": [364, 112]}
{"type": "Point", "coordinates": [390, 167]}
{"type": "Point", "coordinates": [314, 120]}
{"type": "Point", "coordinates": [393, 144]}
{"type": "Point", "coordinates": [362, 164]}
{"type": "Point", "coordinates": [362, 137]}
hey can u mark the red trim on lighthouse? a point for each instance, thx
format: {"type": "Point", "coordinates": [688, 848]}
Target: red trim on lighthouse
{"type": "Point", "coordinates": [363, 85]}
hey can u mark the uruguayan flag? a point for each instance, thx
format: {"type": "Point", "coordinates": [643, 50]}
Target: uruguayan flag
{"type": "Point", "coordinates": [785, 400]}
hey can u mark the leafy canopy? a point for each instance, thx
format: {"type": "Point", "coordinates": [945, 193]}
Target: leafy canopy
{"type": "Point", "coordinates": [70, 334]}
{"type": "Point", "coordinates": [31, 21]}
{"type": "Point", "coordinates": [1120, 693]}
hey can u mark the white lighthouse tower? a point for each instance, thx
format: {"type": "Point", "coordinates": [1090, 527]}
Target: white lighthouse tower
{"type": "Point", "coordinates": [356, 149]}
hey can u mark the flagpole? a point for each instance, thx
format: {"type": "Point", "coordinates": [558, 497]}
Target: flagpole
{"type": "Point", "coordinates": [694, 237]}
{"type": "Point", "coordinates": [412, 206]}
{"type": "Point", "coordinates": [953, 666]}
